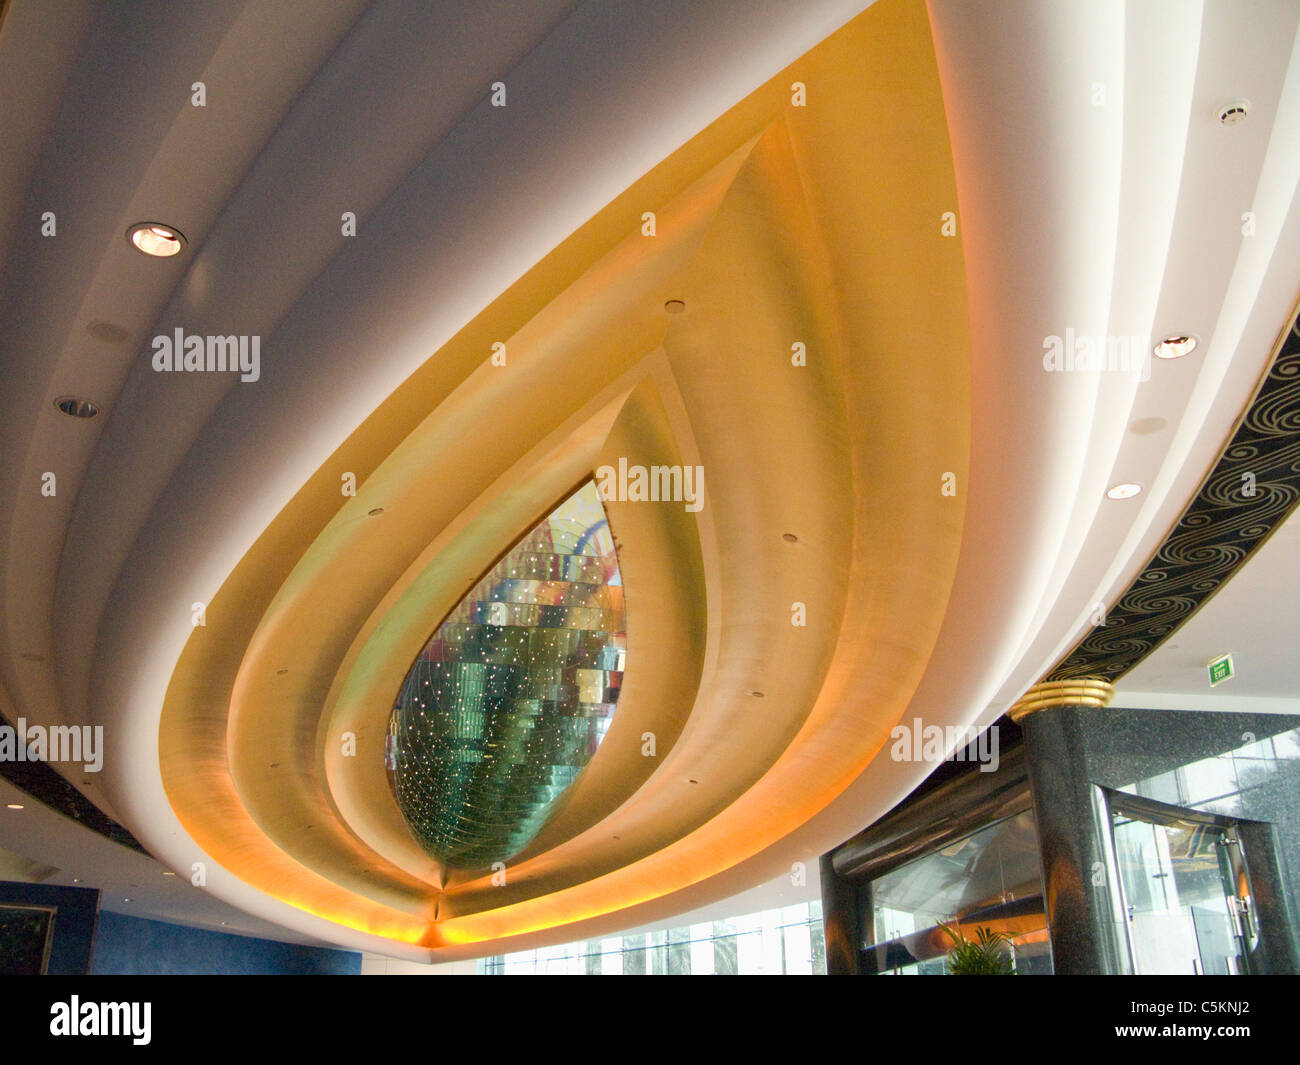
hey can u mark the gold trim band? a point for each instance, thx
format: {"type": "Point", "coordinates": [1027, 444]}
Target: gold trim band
{"type": "Point", "coordinates": [1079, 691]}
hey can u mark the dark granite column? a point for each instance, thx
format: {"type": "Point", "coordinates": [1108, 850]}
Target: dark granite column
{"type": "Point", "coordinates": [1275, 952]}
{"type": "Point", "coordinates": [1080, 880]}
{"type": "Point", "coordinates": [840, 920]}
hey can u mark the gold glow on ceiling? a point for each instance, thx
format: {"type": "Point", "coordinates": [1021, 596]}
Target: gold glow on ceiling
{"type": "Point", "coordinates": [744, 217]}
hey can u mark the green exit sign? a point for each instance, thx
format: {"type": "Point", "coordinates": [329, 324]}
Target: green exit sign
{"type": "Point", "coordinates": [1220, 669]}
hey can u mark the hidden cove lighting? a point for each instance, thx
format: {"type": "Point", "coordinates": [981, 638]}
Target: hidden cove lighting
{"type": "Point", "coordinates": [156, 239]}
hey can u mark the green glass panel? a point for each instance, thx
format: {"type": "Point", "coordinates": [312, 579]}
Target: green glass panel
{"type": "Point", "coordinates": [512, 695]}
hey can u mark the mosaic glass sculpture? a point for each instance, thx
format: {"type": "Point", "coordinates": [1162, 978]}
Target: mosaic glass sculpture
{"type": "Point", "coordinates": [513, 693]}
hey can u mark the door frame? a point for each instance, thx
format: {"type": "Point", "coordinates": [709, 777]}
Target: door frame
{"type": "Point", "coordinates": [1152, 811]}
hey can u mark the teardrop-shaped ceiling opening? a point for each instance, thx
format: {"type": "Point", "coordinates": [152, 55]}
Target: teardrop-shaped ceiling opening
{"type": "Point", "coordinates": [513, 693]}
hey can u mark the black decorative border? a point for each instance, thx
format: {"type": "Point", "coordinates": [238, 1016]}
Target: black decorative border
{"type": "Point", "coordinates": [1217, 532]}
{"type": "Point", "coordinates": [45, 785]}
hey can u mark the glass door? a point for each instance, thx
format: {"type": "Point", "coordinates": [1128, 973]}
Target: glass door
{"type": "Point", "coordinates": [1181, 893]}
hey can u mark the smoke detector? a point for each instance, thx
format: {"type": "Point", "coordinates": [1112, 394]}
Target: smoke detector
{"type": "Point", "coordinates": [1233, 112]}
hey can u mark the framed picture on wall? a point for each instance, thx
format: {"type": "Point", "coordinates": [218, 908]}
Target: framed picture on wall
{"type": "Point", "coordinates": [26, 933]}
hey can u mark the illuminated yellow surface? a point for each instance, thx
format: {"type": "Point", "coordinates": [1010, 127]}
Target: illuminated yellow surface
{"type": "Point", "coordinates": [818, 225]}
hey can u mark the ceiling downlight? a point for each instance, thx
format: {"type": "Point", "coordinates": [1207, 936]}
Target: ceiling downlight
{"type": "Point", "coordinates": [1175, 346]}
{"type": "Point", "coordinates": [75, 407]}
{"type": "Point", "coordinates": [154, 238]}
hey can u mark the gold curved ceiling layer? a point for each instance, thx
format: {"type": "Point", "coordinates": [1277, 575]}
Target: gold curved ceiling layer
{"type": "Point", "coordinates": [819, 376]}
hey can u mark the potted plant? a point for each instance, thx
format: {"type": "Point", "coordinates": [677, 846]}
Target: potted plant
{"type": "Point", "coordinates": [985, 955]}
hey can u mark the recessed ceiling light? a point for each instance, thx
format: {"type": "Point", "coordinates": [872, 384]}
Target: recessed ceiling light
{"type": "Point", "coordinates": [1146, 426]}
{"type": "Point", "coordinates": [1233, 112]}
{"type": "Point", "coordinates": [126, 900]}
{"type": "Point", "coordinates": [757, 695]}
{"type": "Point", "coordinates": [15, 806]}
{"type": "Point", "coordinates": [1175, 347]}
{"type": "Point", "coordinates": [169, 874]}
{"type": "Point", "coordinates": [31, 656]}
{"type": "Point", "coordinates": [154, 238]}
{"type": "Point", "coordinates": [790, 538]}
{"type": "Point", "coordinates": [75, 407]}
{"type": "Point", "coordinates": [375, 512]}
{"type": "Point", "coordinates": [674, 306]}
{"type": "Point", "coordinates": [1123, 491]}
{"type": "Point", "coordinates": [108, 332]}
{"type": "Point", "coordinates": [76, 880]}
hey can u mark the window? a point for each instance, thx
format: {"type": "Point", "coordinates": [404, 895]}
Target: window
{"type": "Point", "coordinates": [988, 879]}
{"type": "Point", "coordinates": [788, 941]}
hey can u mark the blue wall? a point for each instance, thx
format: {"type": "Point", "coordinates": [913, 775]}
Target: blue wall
{"type": "Point", "coordinates": [134, 946]}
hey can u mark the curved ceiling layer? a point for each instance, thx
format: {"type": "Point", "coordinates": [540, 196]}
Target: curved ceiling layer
{"type": "Point", "coordinates": [1195, 229]}
{"type": "Point", "coordinates": [813, 254]}
{"type": "Point", "coordinates": [1252, 491]}
{"type": "Point", "coordinates": [740, 699]}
